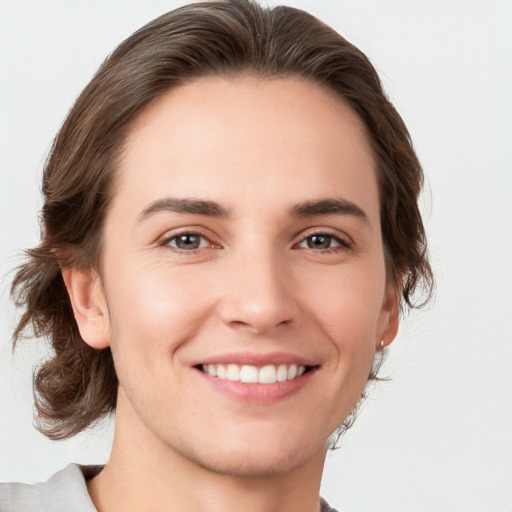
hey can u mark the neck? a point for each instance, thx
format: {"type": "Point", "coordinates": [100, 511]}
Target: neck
{"type": "Point", "coordinates": [143, 473]}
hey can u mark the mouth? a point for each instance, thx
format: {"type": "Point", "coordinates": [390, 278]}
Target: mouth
{"type": "Point", "coordinates": [249, 374]}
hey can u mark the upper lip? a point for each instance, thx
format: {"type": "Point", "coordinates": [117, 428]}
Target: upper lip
{"type": "Point", "coordinates": [256, 359]}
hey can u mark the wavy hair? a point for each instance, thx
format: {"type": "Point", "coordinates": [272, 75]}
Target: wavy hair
{"type": "Point", "coordinates": [77, 385]}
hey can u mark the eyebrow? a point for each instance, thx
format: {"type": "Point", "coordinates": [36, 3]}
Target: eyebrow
{"type": "Point", "coordinates": [329, 206]}
{"type": "Point", "coordinates": [180, 205]}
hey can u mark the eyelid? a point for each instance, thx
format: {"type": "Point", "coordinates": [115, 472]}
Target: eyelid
{"type": "Point", "coordinates": [164, 240]}
{"type": "Point", "coordinates": [342, 238]}
{"type": "Point", "coordinates": [345, 240]}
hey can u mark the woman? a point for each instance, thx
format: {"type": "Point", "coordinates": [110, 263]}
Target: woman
{"type": "Point", "coordinates": [230, 229]}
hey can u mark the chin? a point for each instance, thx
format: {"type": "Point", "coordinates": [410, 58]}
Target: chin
{"type": "Point", "coordinates": [258, 459]}
{"type": "Point", "coordinates": [252, 465]}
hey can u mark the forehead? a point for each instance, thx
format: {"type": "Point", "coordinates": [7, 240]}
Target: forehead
{"type": "Point", "coordinates": [232, 139]}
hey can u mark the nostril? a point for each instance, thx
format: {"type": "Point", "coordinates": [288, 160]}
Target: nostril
{"type": "Point", "coordinates": [258, 308]}
{"type": "Point", "coordinates": [259, 325]}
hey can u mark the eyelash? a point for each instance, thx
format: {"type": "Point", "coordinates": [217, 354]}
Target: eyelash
{"type": "Point", "coordinates": [344, 245]}
{"type": "Point", "coordinates": [167, 241]}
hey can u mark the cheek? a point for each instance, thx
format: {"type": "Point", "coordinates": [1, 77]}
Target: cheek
{"type": "Point", "coordinates": [347, 303]}
{"type": "Point", "coordinates": [155, 309]}
{"type": "Point", "coordinates": [153, 314]}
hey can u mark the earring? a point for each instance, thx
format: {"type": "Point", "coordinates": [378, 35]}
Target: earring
{"type": "Point", "coordinates": [381, 344]}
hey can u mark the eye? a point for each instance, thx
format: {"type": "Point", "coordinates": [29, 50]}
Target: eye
{"type": "Point", "coordinates": [323, 242]}
{"type": "Point", "coordinates": [188, 242]}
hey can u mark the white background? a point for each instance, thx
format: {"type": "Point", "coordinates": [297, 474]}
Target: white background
{"type": "Point", "coordinates": [438, 437]}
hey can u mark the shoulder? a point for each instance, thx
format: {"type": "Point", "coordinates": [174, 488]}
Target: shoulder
{"type": "Point", "coordinates": [65, 490]}
{"type": "Point", "coordinates": [325, 507]}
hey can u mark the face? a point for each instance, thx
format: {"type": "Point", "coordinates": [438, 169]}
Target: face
{"type": "Point", "coordinates": [244, 287]}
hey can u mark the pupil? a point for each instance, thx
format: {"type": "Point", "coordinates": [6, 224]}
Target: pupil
{"type": "Point", "coordinates": [319, 242]}
{"type": "Point", "coordinates": [187, 242]}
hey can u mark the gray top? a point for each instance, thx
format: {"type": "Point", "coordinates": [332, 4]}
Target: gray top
{"type": "Point", "coordinates": [65, 491]}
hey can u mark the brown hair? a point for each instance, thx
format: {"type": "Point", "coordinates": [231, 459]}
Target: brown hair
{"type": "Point", "coordinates": [77, 385]}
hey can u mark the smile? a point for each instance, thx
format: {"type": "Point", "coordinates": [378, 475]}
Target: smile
{"type": "Point", "coordinates": [268, 374]}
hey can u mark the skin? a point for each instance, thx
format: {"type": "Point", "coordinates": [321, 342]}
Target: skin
{"type": "Point", "coordinates": [256, 285]}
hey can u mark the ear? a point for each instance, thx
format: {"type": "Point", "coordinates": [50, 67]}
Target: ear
{"type": "Point", "coordinates": [389, 318]}
{"type": "Point", "coordinates": [89, 306]}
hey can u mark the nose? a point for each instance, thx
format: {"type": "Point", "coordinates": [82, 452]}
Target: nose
{"type": "Point", "coordinates": [258, 293]}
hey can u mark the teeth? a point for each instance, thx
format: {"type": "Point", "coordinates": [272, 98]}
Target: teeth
{"type": "Point", "coordinates": [282, 373]}
{"type": "Point", "coordinates": [221, 371]}
{"type": "Point", "coordinates": [268, 374]}
{"type": "Point", "coordinates": [249, 374]}
{"type": "Point", "coordinates": [233, 372]}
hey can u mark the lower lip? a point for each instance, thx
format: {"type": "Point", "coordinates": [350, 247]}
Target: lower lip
{"type": "Point", "coordinates": [257, 393]}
